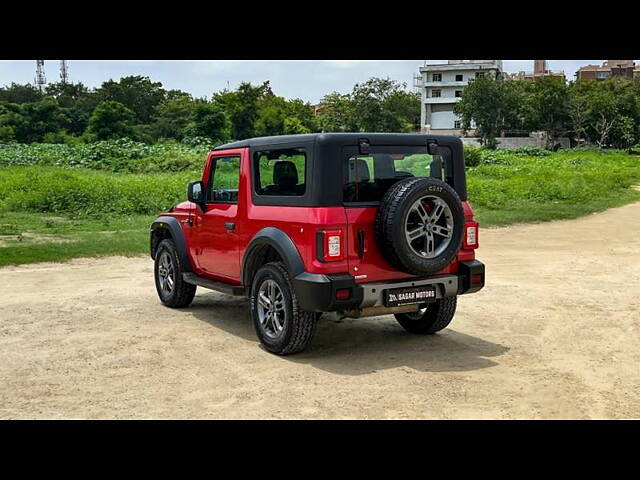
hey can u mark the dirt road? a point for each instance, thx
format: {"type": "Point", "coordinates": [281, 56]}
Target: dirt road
{"type": "Point", "coordinates": [555, 334]}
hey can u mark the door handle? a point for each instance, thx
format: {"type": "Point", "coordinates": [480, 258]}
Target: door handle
{"type": "Point", "coordinates": [230, 226]}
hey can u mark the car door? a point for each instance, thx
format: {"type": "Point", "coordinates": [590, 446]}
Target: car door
{"type": "Point", "coordinates": [215, 224]}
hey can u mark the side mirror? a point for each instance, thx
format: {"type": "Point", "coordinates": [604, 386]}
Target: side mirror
{"type": "Point", "coordinates": [195, 192]}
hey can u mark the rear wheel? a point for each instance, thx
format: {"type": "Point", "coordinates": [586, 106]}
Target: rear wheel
{"type": "Point", "coordinates": [172, 289]}
{"type": "Point", "coordinates": [282, 327]}
{"type": "Point", "coordinates": [430, 319]}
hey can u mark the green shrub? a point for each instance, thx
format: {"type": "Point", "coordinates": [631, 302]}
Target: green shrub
{"type": "Point", "coordinates": [502, 179]}
{"type": "Point", "coordinates": [86, 193]}
{"type": "Point", "coordinates": [472, 156]}
{"type": "Point", "coordinates": [122, 155]}
{"type": "Point", "coordinates": [500, 182]}
{"type": "Point", "coordinates": [61, 136]}
{"type": "Point", "coordinates": [530, 152]}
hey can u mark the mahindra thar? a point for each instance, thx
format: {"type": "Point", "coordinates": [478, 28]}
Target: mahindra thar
{"type": "Point", "coordinates": [353, 223]}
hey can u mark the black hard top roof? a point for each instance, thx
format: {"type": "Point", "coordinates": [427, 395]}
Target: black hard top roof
{"type": "Point", "coordinates": [346, 138]}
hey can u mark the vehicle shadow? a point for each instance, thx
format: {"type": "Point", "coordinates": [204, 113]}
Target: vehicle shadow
{"type": "Point", "coordinates": [231, 314]}
{"type": "Point", "coordinates": [361, 346]}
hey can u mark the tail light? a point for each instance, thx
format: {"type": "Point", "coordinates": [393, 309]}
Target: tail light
{"type": "Point", "coordinates": [343, 294]}
{"type": "Point", "coordinates": [330, 246]}
{"type": "Point", "coordinates": [470, 240]}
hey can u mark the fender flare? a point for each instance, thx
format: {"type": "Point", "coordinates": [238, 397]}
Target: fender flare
{"type": "Point", "coordinates": [281, 242]}
{"type": "Point", "coordinates": [172, 225]}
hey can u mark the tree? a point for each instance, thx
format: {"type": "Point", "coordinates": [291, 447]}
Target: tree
{"type": "Point", "coordinates": [29, 122]}
{"type": "Point", "coordinates": [602, 115]}
{"type": "Point", "coordinates": [578, 114]}
{"type": "Point", "coordinates": [382, 105]}
{"type": "Point", "coordinates": [209, 120]}
{"type": "Point", "coordinates": [606, 112]}
{"type": "Point", "coordinates": [301, 112]}
{"type": "Point", "coordinates": [293, 126]}
{"type": "Point", "coordinates": [44, 117]}
{"type": "Point", "coordinates": [336, 113]}
{"type": "Point", "coordinates": [623, 132]}
{"type": "Point", "coordinates": [242, 106]}
{"type": "Point", "coordinates": [173, 116]}
{"type": "Point", "coordinates": [377, 105]}
{"type": "Point", "coordinates": [67, 94]}
{"type": "Point", "coordinates": [7, 134]}
{"type": "Point", "coordinates": [546, 101]}
{"type": "Point", "coordinates": [111, 119]}
{"type": "Point", "coordinates": [17, 93]}
{"type": "Point", "coordinates": [270, 121]}
{"type": "Point", "coordinates": [14, 124]}
{"type": "Point", "coordinates": [487, 102]}
{"type": "Point", "coordinates": [137, 93]}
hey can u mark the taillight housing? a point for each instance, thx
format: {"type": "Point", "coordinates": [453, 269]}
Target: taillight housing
{"type": "Point", "coordinates": [330, 245]}
{"type": "Point", "coordinates": [470, 240]}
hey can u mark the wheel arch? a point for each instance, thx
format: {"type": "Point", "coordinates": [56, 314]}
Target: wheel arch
{"type": "Point", "coordinates": [266, 243]}
{"type": "Point", "coordinates": [166, 227]}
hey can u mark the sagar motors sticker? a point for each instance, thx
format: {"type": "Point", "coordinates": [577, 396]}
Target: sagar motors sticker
{"type": "Point", "coordinates": [411, 295]}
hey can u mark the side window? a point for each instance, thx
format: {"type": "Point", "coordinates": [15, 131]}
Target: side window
{"type": "Point", "coordinates": [280, 172]}
{"type": "Point", "coordinates": [224, 181]}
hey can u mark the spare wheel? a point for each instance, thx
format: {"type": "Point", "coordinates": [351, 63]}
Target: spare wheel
{"type": "Point", "coordinates": [419, 225]}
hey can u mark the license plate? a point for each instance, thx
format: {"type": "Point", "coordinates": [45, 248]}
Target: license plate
{"type": "Point", "coordinates": [409, 295]}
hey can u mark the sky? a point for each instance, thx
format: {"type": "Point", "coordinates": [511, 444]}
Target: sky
{"type": "Point", "coordinates": [309, 80]}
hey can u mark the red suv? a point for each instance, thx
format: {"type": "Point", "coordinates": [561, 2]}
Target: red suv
{"type": "Point", "coordinates": [354, 223]}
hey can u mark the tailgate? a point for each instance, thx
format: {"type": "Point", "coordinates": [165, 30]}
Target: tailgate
{"type": "Point", "coordinates": [366, 262]}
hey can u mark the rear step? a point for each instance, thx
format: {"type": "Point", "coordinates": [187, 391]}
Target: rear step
{"type": "Point", "coordinates": [194, 279]}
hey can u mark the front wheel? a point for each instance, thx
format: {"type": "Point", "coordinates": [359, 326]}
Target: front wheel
{"type": "Point", "coordinates": [282, 327]}
{"type": "Point", "coordinates": [430, 319]}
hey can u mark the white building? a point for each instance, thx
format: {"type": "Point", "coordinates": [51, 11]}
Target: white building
{"type": "Point", "coordinates": [441, 86]}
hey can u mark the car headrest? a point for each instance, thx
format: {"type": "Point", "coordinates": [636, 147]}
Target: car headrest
{"type": "Point", "coordinates": [285, 174]}
{"type": "Point", "coordinates": [384, 165]}
{"type": "Point", "coordinates": [362, 171]}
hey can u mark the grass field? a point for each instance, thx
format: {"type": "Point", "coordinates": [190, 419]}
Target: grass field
{"type": "Point", "coordinates": [507, 188]}
{"type": "Point", "coordinates": [27, 237]}
{"type": "Point", "coordinates": [54, 212]}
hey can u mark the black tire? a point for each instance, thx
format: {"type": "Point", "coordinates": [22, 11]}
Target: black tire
{"type": "Point", "coordinates": [392, 216]}
{"type": "Point", "coordinates": [181, 293]}
{"type": "Point", "coordinates": [437, 316]}
{"type": "Point", "coordinates": [298, 325]}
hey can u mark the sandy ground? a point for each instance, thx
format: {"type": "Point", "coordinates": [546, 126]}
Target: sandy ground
{"type": "Point", "coordinates": [554, 334]}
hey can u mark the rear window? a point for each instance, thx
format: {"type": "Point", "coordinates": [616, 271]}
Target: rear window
{"type": "Point", "coordinates": [366, 178]}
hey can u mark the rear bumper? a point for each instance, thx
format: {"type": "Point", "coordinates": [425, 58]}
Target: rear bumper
{"type": "Point", "coordinates": [317, 292]}
{"type": "Point", "coordinates": [471, 275]}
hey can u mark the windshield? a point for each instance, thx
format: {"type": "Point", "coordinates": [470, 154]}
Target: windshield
{"type": "Point", "coordinates": [368, 177]}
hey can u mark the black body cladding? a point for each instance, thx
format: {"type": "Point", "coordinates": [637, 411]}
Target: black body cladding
{"type": "Point", "coordinates": [169, 227]}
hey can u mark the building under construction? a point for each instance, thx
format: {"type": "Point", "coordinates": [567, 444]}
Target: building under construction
{"type": "Point", "coordinates": [441, 86]}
